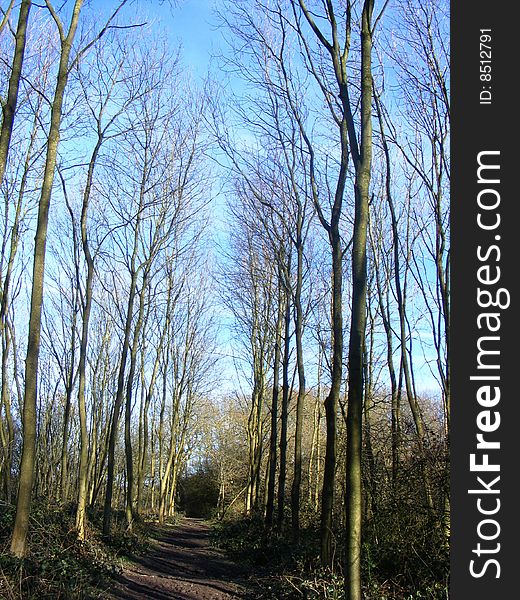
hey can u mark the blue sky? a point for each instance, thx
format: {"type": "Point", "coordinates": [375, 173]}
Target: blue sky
{"type": "Point", "coordinates": [193, 21]}
{"type": "Point", "coordinates": [194, 25]}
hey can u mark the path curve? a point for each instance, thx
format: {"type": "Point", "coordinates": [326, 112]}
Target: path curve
{"type": "Point", "coordinates": [182, 566]}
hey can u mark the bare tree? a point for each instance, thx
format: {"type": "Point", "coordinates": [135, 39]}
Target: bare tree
{"type": "Point", "coordinates": [9, 105]}
{"type": "Point", "coordinates": [18, 543]}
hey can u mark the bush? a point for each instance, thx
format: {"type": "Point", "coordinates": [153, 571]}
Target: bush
{"type": "Point", "coordinates": [57, 565]}
{"type": "Point", "coordinates": [392, 568]}
{"type": "Point", "coordinates": [283, 570]}
{"type": "Point", "coordinates": [199, 493]}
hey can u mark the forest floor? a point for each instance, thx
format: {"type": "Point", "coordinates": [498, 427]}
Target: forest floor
{"type": "Point", "coordinates": [181, 565]}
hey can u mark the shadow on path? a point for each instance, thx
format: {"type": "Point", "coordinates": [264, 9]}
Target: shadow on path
{"type": "Point", "coordinates": [182, 566]}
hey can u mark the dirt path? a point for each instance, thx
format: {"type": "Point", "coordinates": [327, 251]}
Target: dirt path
{"type": "Point", "coordinates": [181, 566]}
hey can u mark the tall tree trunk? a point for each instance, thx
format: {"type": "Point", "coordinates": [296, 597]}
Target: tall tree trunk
{"type": "Point", "coordinates": [314, 471]}
{"type": "Point", "coordinates": [395, 390]}
{"type": "Point", "coordinates": [134, 271]}
{"type": "Point", "coordinates": [370, 477]}
{"type": "Point", "coordinates": [332, 400]}
{"type": "Point", "coordinates": [64, 475]}
{"type": "Point", "coordinates": [400, 291]}
{"type": "Point", "coordinates": [284, 414]}
{"type": "Point", "coordinates": [148, 398]}
{"type": "Point", "coordinates": [9, 108]}
{"type": "Point", "coordinates": [21, 525]}
{"type": "Point", "coordinates": [83, 463]}
{"type": "Point", "coordinates": [107, 509]}
{"type": "Point", "coordinates": [255, 441]}
{"type": "Point", "coordinates": [5, 334]}
{"type": "Point", "coordinates": [7, 436]}
{"type": "Point", "coordinates": [129, 505]}
{"type": "Point", "coordinates": [296, 487]}
{"type": "Point", "coordinates": [269, 511]}
{"type": "Point", "coordinates": [69, 388]}
{"type": "Point", "coordinates": [347, 140]}
{"type": "Point", "coordinates": [358, 319]}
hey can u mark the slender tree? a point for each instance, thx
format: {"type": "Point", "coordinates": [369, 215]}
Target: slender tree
{"type": "Point", "coordinates": [18, 542]}
{"type": "Point", "coordinates": [363, 164]}
{"type": "Point", "coordinates": [9, 105]}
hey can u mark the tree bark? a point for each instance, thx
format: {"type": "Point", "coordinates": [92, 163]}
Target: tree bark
{"type": "Point", "coordinates": [129, 502]}
{"type": "Point", "coordinates": [21, 525]}
{"type": "Point", "coordinates": [284, 415]}
{"type": "Point", "coordinates": [9, 108]}
{"type": "Point", "coordinates": [107, 509]}
{"type": "Point", "coordinates": [83, 463]}
{"type": "Point", "coordinates": [296, 487]}
{"type": "Point", "coordinates": [269, 511]}
{"type": "Point", "coordinates": [358, 319]}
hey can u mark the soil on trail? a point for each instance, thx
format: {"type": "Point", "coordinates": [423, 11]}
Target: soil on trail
{"type": "Point", "coordinates": [182, 566]}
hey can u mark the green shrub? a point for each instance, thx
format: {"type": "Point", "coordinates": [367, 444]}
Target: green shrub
{"type": "Point", "coordinates": [392, 568]}
{"type": "Point", "coordinates": [57, 565]}
{"type": "Point", "coordinates": [199, 493]}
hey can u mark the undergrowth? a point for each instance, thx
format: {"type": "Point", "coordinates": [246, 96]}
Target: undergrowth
{"type": "Point", "coordinates": [284, 570]}
{"type": "Point", "coordinates": [58, 566]}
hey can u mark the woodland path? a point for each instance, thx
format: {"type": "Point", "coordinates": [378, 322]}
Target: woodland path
{"type": "Point", "coordinates": [181, 565]}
